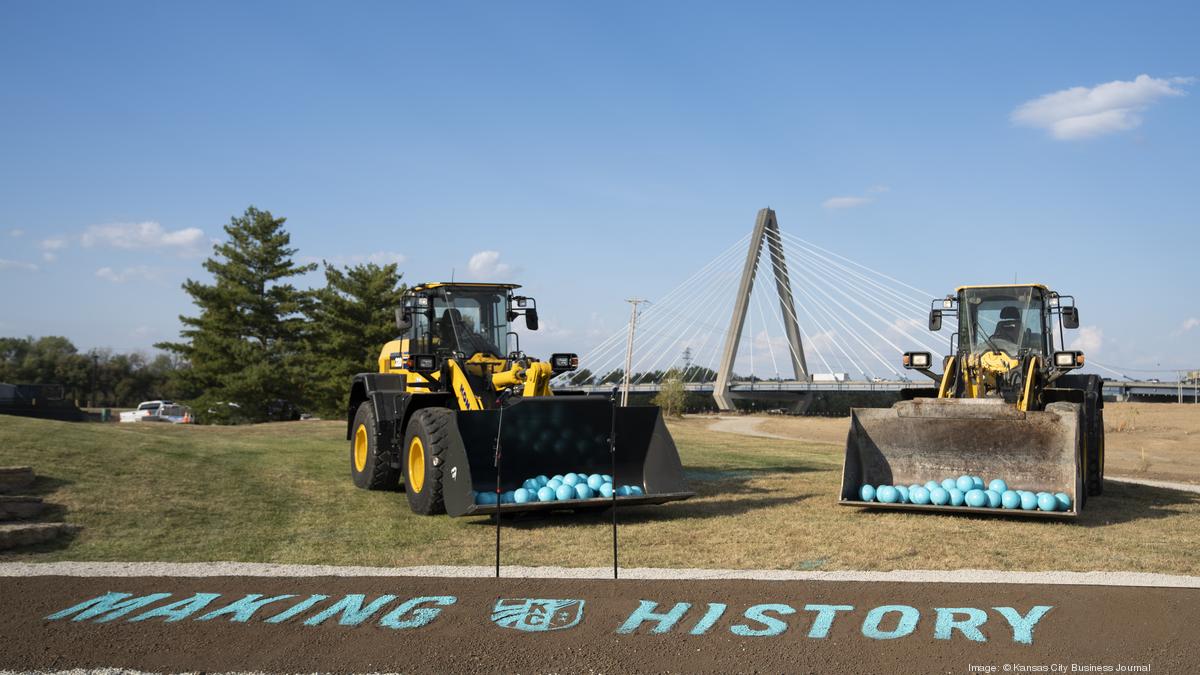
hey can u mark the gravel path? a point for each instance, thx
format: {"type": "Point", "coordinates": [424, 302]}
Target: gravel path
{"type": "Point", "coordinates": [235, 569]}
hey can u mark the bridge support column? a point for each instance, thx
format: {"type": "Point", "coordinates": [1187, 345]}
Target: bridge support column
{"type": "Point", "coordinates": [766, 228]}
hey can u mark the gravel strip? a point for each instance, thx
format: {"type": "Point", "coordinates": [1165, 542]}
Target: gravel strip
{"type": "Point", "coordinates": [235, 569]}
{"type": "Point", "coordinates": [1183, 487]}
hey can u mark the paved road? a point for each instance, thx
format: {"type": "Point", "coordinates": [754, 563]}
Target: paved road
{"type": "Point", "coordinates": [442, 624]}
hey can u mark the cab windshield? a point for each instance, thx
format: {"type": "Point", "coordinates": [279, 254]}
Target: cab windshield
{"type": "Point", "coordinates": [466, 321]}
{"type": "Point", "coordinates": [1003, 319]}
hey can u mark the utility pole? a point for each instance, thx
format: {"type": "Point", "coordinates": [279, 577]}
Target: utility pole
{"type": "Point", "coordinates": [633, 314]}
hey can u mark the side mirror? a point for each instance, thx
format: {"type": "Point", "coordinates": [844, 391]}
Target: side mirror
{"type": "Point", "coordinates": [402, 321]}
{"type": "Point", "coordinates": [531, 321]}
{"type": "Point", "coordinates": [935, 319]}
{"type": "Point", "coordinates": [1070, 317]}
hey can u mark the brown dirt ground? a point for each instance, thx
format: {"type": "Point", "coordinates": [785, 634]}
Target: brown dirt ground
{"type": "Point", "coordinates": [1105, 626]}
{"type": "Point", "coordinates": [1159, 441]}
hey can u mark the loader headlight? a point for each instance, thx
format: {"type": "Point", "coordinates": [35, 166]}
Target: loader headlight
{"type": "Point", "coordinates": [1068, 360]}
{"type": "Point", "coordinates": [564, 362]}
{"type": "Point", "coordinates": [422, 363]}
{"type": "Point", "coordinates": [917, 360]}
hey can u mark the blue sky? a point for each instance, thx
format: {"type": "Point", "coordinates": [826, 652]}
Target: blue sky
{"type": "Point", "coordinates": [602, 151]}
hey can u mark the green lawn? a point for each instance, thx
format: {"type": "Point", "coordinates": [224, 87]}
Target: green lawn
{"type": "Point", "coordinates": [281, 493]}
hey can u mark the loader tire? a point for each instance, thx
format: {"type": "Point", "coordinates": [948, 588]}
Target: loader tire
{"type": "Point", "coordinates": [1095, 452]}
{"type": "Point", "coordinates": [370, 465]}
{"type": "Point", "coordinates": [423, 455]}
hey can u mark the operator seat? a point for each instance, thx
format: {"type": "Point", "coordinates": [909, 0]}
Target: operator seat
{"type": "Point", "coordinates": [1009, 326]}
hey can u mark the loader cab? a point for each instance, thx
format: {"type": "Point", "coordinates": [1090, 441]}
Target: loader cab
{"type": "Point", "coordinates": [464, 320]}
{"type": "Point", "coordinates": [1011, 319]}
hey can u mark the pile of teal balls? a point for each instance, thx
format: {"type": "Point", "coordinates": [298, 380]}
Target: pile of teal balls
{"type": "Point", "coordinates": [966, 491]}
{"type": "Point", "coordinates": [561, 488]}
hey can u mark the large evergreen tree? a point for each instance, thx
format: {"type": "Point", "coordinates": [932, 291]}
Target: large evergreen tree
{"type": "Point", "coordinates": [245, 350]}
{"type": "Point", "coordinates": [352, 319]}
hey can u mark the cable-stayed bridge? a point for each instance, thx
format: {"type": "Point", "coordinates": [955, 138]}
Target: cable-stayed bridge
{"type": "Point", "coordinates": [771, 313]}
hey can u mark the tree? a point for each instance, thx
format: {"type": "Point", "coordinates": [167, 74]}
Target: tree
{"type": "Point", "coordinates": [244, 351]}
{"type": "Point", "coordinates": [672, 396]}
{"type": "Point", "coordinates": [353, 318]}
{"type": "Point", "coordinates": [98, 378]}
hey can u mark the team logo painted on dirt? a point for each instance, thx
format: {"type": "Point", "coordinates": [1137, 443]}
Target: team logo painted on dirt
{"type": "Point", "coordinates": [537, 614]}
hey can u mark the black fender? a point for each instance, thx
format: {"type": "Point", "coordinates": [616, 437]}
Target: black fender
{"type": "Point", "coordinates": [394, 406]}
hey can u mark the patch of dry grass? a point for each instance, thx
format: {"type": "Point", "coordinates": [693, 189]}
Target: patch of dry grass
{"type": "Point", "coordinates": [281, 493]}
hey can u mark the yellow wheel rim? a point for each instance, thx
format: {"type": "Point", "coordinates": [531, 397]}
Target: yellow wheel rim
{"type": "Point", "coordinates": [360, 448]}
{"type": "Point", "coordinates": [416, 465]}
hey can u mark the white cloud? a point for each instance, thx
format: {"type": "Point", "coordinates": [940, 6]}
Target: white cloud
{"type": "Point", "coordinates": [50, 247]}
{"type": "Point", "coordinates": [846, 202]}
{"type": "Point", "coordinates": [146, 235]}
{"type": "Point", "coordinates": [1086, 112]}
{"type": "Point", "coordinates": [16, 232]}
{"type": "Point", "coordinates": [17, 265]}
{"type": "Point", "coordinates": [1088, 340]}
{"type": "Point", "coordinates": [851, 201]}
{"type": "Point", "coordinates": [378, 258]}
{"type": "Point", "coordinates": [1187, 325]}
{"type": "Point", "coordinates": [138, 273]}
{"type": "Point", "coordinates": [486, 265]}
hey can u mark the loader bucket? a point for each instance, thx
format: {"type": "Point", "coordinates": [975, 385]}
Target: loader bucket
{"type": "Point", "coordinates": [930, 439]}
{"type": "Point", "coordinates": [556, 435]}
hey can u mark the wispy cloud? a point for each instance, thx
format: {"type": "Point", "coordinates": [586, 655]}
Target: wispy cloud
{"type": "Point", "coordinates": [851, 201]}
{"type": "Point", "coordinates": [147, 235]}
{"type": "Point", "coordinates": [136, 273]}
{"type": "Point", "coordinates": [16, 232]}
{"type": "Point", "coordinates": [1089, 339]}
{"type": "Point", "coordinates": [1187, 325]}
{"type": "Point", "coordinates": [1086, 112]}
{"type": "Point", "coordinates": [17, 265]}
{"type": "Point", "coordinates": [51, 246]}
{"type": "Point", "coordinates": [486, 265]}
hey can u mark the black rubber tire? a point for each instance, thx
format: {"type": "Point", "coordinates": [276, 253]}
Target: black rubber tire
{"type": "Point", "coordinates": [1095, 464]}
{"type": "Point", "coordinates": [377, 472]}
{"type": "Point", "coordinates": [433, 426]}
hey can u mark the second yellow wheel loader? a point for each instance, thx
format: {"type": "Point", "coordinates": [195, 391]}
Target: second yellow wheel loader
{"type": "Point", "coordinates": [1006, 405]}
{"type": "Point", "coordinates": [454, 397]}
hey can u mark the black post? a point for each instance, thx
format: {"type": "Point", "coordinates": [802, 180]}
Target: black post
{"type": "Point", "coordinates": [496, 463]}
{"type": "Point", "coordinates": [612, 454]}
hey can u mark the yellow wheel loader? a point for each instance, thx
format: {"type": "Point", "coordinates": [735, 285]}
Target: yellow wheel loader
{"type": "Point", "coordinates": [1005, 406]}
{"type": "Point", "coordinates": [456, 403]}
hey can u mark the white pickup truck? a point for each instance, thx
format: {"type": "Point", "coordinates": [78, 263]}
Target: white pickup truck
{"type": "Point", "coordinates": [158, 411]}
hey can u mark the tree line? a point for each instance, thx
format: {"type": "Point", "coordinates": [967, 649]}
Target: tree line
{"type": "Point", "coordinates": [257, 348]}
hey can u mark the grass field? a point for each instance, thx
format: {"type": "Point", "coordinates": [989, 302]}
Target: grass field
{"type": "Point", "coordinates": [281, 493]}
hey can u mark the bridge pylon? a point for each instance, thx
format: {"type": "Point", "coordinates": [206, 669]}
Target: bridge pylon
{"type": "Point", "coordinates": [766, 231]}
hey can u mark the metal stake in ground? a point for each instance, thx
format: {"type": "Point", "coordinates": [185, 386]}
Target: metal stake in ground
{"type": "Point", "coordinates": [496, 463]}
{"type": "Point", "coordinates": [612, 456]}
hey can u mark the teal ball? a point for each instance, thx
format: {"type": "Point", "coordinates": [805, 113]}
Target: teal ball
{"type": "Point", "coordinates": [606, 490]}
{"type": "Point", "coordinates": [507, 498]}
{"type": "Point", "coordinates": [903, 493]}
{"type": "Point", "coordinates": [1047, 502]}
{"type": "Point", "coordinates": [949, 484]}
{"type": "Point", "coordinates": [932, 485]}
{"type": "Point", "coordinates": [956, 497]}
{"type": "Point", "coordinates": [976, 498]}
{"type": "Point", "coordinates": [522, 496]}
{"type": "Point", "coordinates": [546, 494]}
{"type": "Point", "coordinates": [558, 477]}
{"type": "Point", "coordinates": [939, 497]}
{"type": "Point", "coordinates": [623, 491]}
{"type": "Point", "coordinates": [594, 481]}
{"type": "Point", "coordinates": [998, 486]}
{"type": "Point", "coordinates": [1029, 502]}
{"type": "Point", "coordinates": [607, 478]}
{"type": "Point", "coordinates": [485, 498]}
{"type": "Point", "coordinates": [993, 499]}
{"type": "Point", "coordinates": [887, 494]}
{"type": "Point", "coordinates": [1064, 501]}
{"type": "Point", "coordinates": [914, 486]}
{"type": "Point", "coordinates": [636, 490]}
{"type": "Point", "coordinates": [530, 484]}
{"type": "Point", "coordinates": [554, 483]}
{"type": "Point", "coordinates": [977, 483]}
{"type": "Point", "coordinates": [867, 493]}
{"type": "Point", "coordinates": [564, 492]}
{"type": "Point", "coordinates": [570, 480]}
{"type": "Point", "coordinates": [919, 495]}
{"type": "Point", "coordinates": [1010, 499]}
{"type": "Point", "coordinates": [964, 483]}
{"type": "Point", "coordinates": [582, 491]}
{"type": "Point", "coordinates": [542, 480]}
